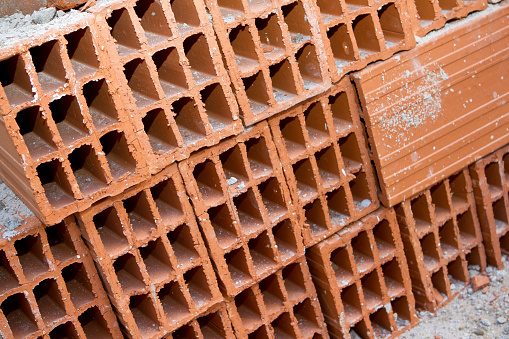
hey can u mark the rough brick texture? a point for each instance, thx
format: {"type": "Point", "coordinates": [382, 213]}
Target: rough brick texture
{"type": "Point", "coordinates": [324, 156]}
{"type": "Point", "coordinates": [362, 280]}
{"type": "Point", "coordinates": [151, 256]}
{"type": "Point", "coordinates": [243, 204]}
{"type": "Point", "coordinates": [49, 286]}
{"type": "Point", "coordinates": [442, 236]}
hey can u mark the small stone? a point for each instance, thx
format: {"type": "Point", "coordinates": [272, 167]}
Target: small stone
{"type": "Point", "coordinates": [479, 281]}
{"type": "Point", "coordinates": [479, 332]}
{"type": "Point", "coordinates": [486, 322]}
{"type": "Point", "coordinates": [437, 336]}
{"type": "Point", "coordinates": [44, 16]}
{"type": "Point", "coordinates": [503, 289]}
{"type": "Point", "coordinates": [501, 320]}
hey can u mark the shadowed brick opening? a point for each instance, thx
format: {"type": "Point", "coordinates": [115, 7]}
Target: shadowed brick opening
{"type": "Point", "coordinates": [80, 47]}
{"type": "Point", "coordinates": [500, 215]}
{"type": "Point", "coordinates": [390, 21]}
{"type": "Point", "coordinates": [291, 130]}
{"type": "Point", "coordinates": [342, 45]}
{"type": "Point", "coordinates": [31, 256]}
{"type": "Point", "coordinates": [438, 279]}
{"type": "Point", "coordinates": [140, 82]}
{"type": "Point", "coordinates": [448, 241]}
{"type": "Point", "coordinates": [185, 14]}
{"type": "Point", "coordinates": [118, 155]}
{"type": "Point", "coordinates": [197, 284]}
{"type": "Point", "coordinates": [249, 212]}
{"type": "Point", "coordinates": [208, 182]}
{"type": "Point", "coordinates": [351, 304]}
{"type": "Point", "coordinates": [78, 284]}
{"type": "Point", "coordinates": [429, 248]}
{"type": "Point", "coordinates": [365, 34]}
{"type": "Point", "coordinates": [60, 242]}
{"type": "Point", "coordinates": [55, 183]}
{"type": "Point", "coordinates": [18, 313]}
{"type": "Point", "coordinates": [341, 115]}
{"type": "Point", "coordinates": [174, 303]}
{"type": "Point", "coordinates": [342, 266]}
{"type": "Point", "coordinates": [100, 104]}
{"type": "Point", "coordinates": [15, 81]}
{"type": "Point", "coordinates": [401, 307]}
{"type": "Point", "coordinates": [505, 160]}
{"type": "Point", "coordinates": [87, 169]}
{"type": "Point", "coordinates": [189, 121]}
{"type": "Point", "coordinates": [286, 241]}
{"type": "Point", "coordinates": [315, 218]}
{"type": "Point", "coordinates": [309, 66]}
{"type": "Point", "coordinates": [360, 191]}
{"type": "Point", "coordinates": [256, 91]}
{"type": "Point", "coordinates": [338, 207]}
{"type": "Point", "coordinates": [260, 333]}
{"type": "Point", "coordinates": [421, 214]}
{"type": "Point", "coordinates": [467, 227]}
{"type": "Point", "coordinates": [381, 323]}
{"type": "Point", "coordinates": [237, 266]}
{"type": "Point", "coordinates": [297, 22]}
{"type": "Point", "coordinates": [272, 294]}
{"type": "Point", "coordinates": [330, 9]}
{"type": "Point", "coordinates": [166, 197]}
{"type": "Point", "coordinates": [110, 229]}
{"type": "Point", "coordinates": [212, 325]}
{"type": "Point", "coordinates": [183, 245]}
{"type": "Point", "coordinates": [493, 178]}
{"type": "Point", "coordinates": [360, 329]}
{"type": "Point", "coordinates": [197, 52]}
{"type": "Point", "coordinates": [244, 48]}
{"type": "Point", "coordinates": [384, 239]}
{"type": "Point", "coordinates": [93, 323]}
{"type": "Point", "coordinates": [186, 331]}
{"type": "Point", "coordinates": [351, 153]}
{"type": "Point", "coordinates": [306, 181]}
{"type": "Point", "coordinates": [66, 113]}
{"type": "Point", "coordinates": [171, 71]}
{"type": "Point", "coordinates": [216, 107]}
{"type": "Point", "coordinates": [122, 30]}
{"type": "Point", "coordinates": [363, 253]}
{"type": "Point", "coordinates": [273, 200]}
{"type": "Point", "coordinates": [258, 157]}
{"type": "Point", "coordinates": [282, 327]}
{"type": "Point", "coordinates": [234, 167]}
{"type": "Point", "coordinates": [49, 300]}
{"type": "Point", "coordinates": [140, 215]}
{"type": "Point", "coordinates": [33, 126]}
{"type": "Point", "coordinates": [504, 243]}
{"type": "Point", "coordinates": [283, 84]}
{"type": "Point", "coordinates": [425, 11]}
{"type": "Point", "coordinates": [153, 21]}
{"type": "Point", "coordinates": [248, 310]}
{"type": "Point", "coordinates": [372, 290]}
{"type": "Point", "coordinates": [145, 315]}
{"type": "Point", "coordinates": [393, 278]}
{"type": "Point", "coordinates": [476, 256]}
{"type": "Point", "coordinates": [63, 331]}
{"type": "Point", "coordinates": [262, 254]}
{"type": "Point", "coordinates": [161, 135]}
{"type": "Point", "coordinates": [128, 274]}
{"type": "Point", "coordinates": [230, 9]}
{"type": "Point", "coordinates": [294, 281]}
{"type": "Point", "coordinates": [48, 65]}
{"type": "Point", "coordinates": [157, 261]}
{"type": "Point", "coordinates": [316, 125]}
{"type": "Point", "coordinates": [307, 319]}
{"type": "Point", "coordinates": [328, 166]}
{"type": "Point", "coordinates": [440, 201]}
{"type": "Point", "coordinates": [456, 273]}
{"type": "Point", "coordinates": [459, 193]}
{"type": "Point", "coordinates": [8, 279]}
{"type": "Point", "coordinates": [447, 5]}
{"type": "Point", "coordinates": [223, 225]}
{"type": "Point", "coordinates": [271, 37]}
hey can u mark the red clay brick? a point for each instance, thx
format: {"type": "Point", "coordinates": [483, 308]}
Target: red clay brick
{"type": "Point", "coordinates": [244, 207]}
{"type": "Point", "coordinates": [442, 237]}
{"type": "Point", "coordinates": [361, 276]}
{"type": "Point", "coordinates": [480, 282]}
{"type": "Point", "coordinates": [324, 156]}
{"type": "Point", "coordinates": [151, 256]}
{"type": "Point", "coordinates": [49, 285]}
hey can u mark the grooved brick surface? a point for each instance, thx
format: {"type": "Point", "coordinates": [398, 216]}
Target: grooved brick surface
{"type": "Point", "coordinates": [243, 204]}
{"type": "Point", "coordinates": [283, 305]}
{"type": "Point", "coordinates": [324, 156]}
{"type": "Point", "coordinates": [49, 286]}
{"type": "Point", "coordinates": [442, 236]}
{"type": "Point", "coordinates": [362, 280]}
{"type": "Point", "coordinates": [151, 256]}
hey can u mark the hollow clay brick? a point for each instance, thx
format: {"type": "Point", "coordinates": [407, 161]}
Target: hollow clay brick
{"type": "Point", "coordinates": [442, 237]}
{"type": "Point", "coordinates": [67, 139]}
{"type": "Point", "coordinates": [283, 305]}
{"type": "Point", "coordinates": [361, 277]}
{"type": "Point", "coordinates": [274, 53]}
{"type": "Point", "coordinates": [172, 76]}
{"type": "Point", "coordinates": [480, 282]}
{"type": "Point", "coordinates": [490, 178]}
{"type": "Point", "coordinates": [323, 152]}
{"type": "Point", "coordinates": [431, 111]}
{"type": "Point", "coordinates": [49, 285]}
{"type": "Point", "coordinates": [151, 256]}
{"type": "Point", "coordinates": [244, 208]}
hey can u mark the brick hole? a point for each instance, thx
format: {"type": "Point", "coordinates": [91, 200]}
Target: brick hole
{"type": "Point", "coordinates": [166, 197]}
{"type": "Point", "coordinates": [100, 104]}
{"type": "Point", "coordinates": [8, 279]}
{"type": "Point", "coordinates": [216, 105]}
{"type": "Point", "coordinates": [292, 132]}
{"type": "Point", "coordinates": [447, 6]}
{"type": "Point", "coordinates": [110, 229]}
{"type": "Point", "coordinates": [81, 50]}
{"type": "Point", "coordinates": [342, 45]}
{"type": "Point", "coordinates": [66, 330]}
{"type": "Point", "coordinates": [381, 323]}
{"type": "Point", "coordinates": [341, 114]}
{"type": "Point", "coordinates": [296, 19]}
{"type": "Point", "coordinates": [140, 215]}
{"type": "Point", "coordinates": [185, 332]}
{"type": "Point", "coordinates": [18, 313]}
{"type": "Point", "coordinates": [309, 66]}
{"type": "Point", "coordinates": [305, 180]}
{"type": "Point", "coordinates": [78, 284]}
{"type": "Point", "coordinates": [360, 330]}
{"type": "Point", "coordinates": [429, 251]}
{"type": "Point", "coordinates": [459, 191]}
{"type": "Point", "coordinates": [256, 91]}
{"type": "Point", "coordinates": [271, 37]}
{"type": "Point", "coordinates": [174, 303]}
{"type": "Point", "coordinates": [234, 168]}
{"type": "Point", "coordinates": [283, 82]}
{"type": "Point", "coordinates": [390, 21]}
{"type": "Point", "coordinates": [342, 267]}
{"type": "Point", "coordinates": [93, 324]}
{"type": "Point", "coordinates": [273, 297]}
{"type": "Point", "coordinates": [249, 212]}
{"type": "Point", "coordinates": [66, 113]}
{"type": "Point", "coordinates": [244, 48]}
{"type": "Point", "coordinates": [362, 253]}
{"type": "Point", "coordinates": [505, 163]}
{"type": "Point", "coordinates": [467, 228]}
{"type": "Point", "coordinates": [338, 207]}
{"type": "Point", "coordinates": [189, 122]}
{"type": "Point", "coordinates": [161, 135]}
{"type": "Point", "coordinates": [31, 256]}
{"type": "Point", "coordinates": [153, 21]}
{"type": "Point", "coordinates": [295, 282]}
{"type": "Point", "coordinates": [360, 192]}
{"type": "Point", "coordinates": [198, 286]}
{"type": "Point", "coordinates": [307, 319]}
{"type": "Point", "coordinates": [49, 300]}
{"type": "Point", "coordinates": [504, 244]}
{"type": "Point", "coordinates": [128, 274]}
{"type": "Point", "coordinates": [56, 186]}
{"type": "Point", "coordinates": [286, 240]}
{"type": "Point", "coordinates": [372, 290]}
{"type": "Point", "coordinates": [425, 12]}
{"type": "Point", "coordinates": [457, 275]}
{"type": "Point", "coordinates": [156, 260]}
{"type": "Point", "coordinates": [118, 155]}
{"type": "Point", "coordinates": [248, 310]}
{"type": "Point", "coordinates": [330, 10]}
{"type": "Point", "coordinates": [262, 332]}
{"type": "Point", "coordinates": [213, 325]}
{"type": "Point", "coordinates": [393, 278]}
{"type": "Point", "coordinates": [421, 214]}
{"type": "Point", "coordinates": [262, 254]}
{"type": "Point", "coordinates": [208, 182]}
{"type": "Point", "coordinates": [61, 244]}
{"type": "Point", "coordinates": [237, 266]}
{"type": "Point", "coordinates": [316, 124]}
{"type": "Point", "coordinates": [87, 169]}
{"type": "Point", "coordinates": [282, 326]}
{"type": "Point", "coordinates": [171, 71]}
{"type": "Point", "coordinates": [384, 239]}
{"type": "Point", "coordinates": [438, 279]}
{"type": "Point", "coordinates": [230, 9]}
{"type": "Point", "coordinates": [401, 307]}
{"type": "Point", "coordinates": [183, 244]}
{"type": "Point", "coordinates": [145, 315]}
{"type": "Point", "coordinates": [16, 81]}
{"type": "Point", "coordinates": [351, 304]}
{"type": "Point", "coordinates": [328, 167]}
{"type": "Point", "coordinates": [493, 178]}
{"type": "Point", "coordinates": [142, 87]}
{"type": "Point", "coordinates": [440, 201]}
{"type": "Point", "coordinates": [197, 51]}
{"type": "Point", "coordinates": [33, 126]}
{"type": "Point", "coordinates": [476, 257]}
{"type": "Point", "coordinates": [223, 225]}
{"type": "Point", "coordinates": [48, 65]}
{"type": "Point", "coordinates": [273, 199]}
{"type": "Point", "coordinates": [351, 153]}
{"type": "Point", "coordinates": [259, 157]}
{"type": "Point", "coordinates": [365, 35]}
{"type": "Point", "coordinates": [448, 242]}
{"type": "Point", "coordinates": [185, 14]}
{"type": "Point", "coordinates": [315, 218]}
{"type": "Point", "coordinates": [122, 30]}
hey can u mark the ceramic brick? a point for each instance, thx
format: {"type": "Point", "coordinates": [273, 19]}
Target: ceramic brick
{"type": "Point", "coordinates": [50, 286]}
{"type": "Point", "coordinates": [442, 237]}
{"type": "Point", "coordinates": [407, 103]}
{"type": "Point", "coordinates": [361, 277]}
{"type": "Point", "coordinates": [151, 256]}
{"type": "Point", "coordinates": [244, 207]}
{"type": "Point", "coordinates": [323, 151]}
{"type": "Point", "coordinates": [274, 53]}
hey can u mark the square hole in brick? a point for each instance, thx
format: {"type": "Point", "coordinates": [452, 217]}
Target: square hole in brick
{"type": "Point", "coordinates": [128, 274]}
{"type": "Point", "coordinates": [33, 126]}
{"type": "Point", "coordinates": [197, 52]}
{"type": "Point", "coordinates": [271, 37]}
{"type": "Point", "coordinates": [209, 185]}
{"type": "Point", "coordinates": [372, 290]}
{"type": "Point", "coordinates": [505, 163]}
{"type": "Point", "coordinates": [292, 133]}
{"type": "Point", "coordinates": [100, 104]}
{"type": "Point", "coordinates": [60, 242]}
{"type": "Point", "coordinates": [157, 261]}
{"type": "Point", "coordinates": [16, 81]}
{"type": "Point", "coordinates": [214, 324]}
{"type": "Point", "coordinates": [384, 239]}
{"type": "Point", "coordinates": [282, 326]}
{"type": "Point", "coordinates": [87, 170]}
{"type": "Point", "coordinates": [441, 202]}
{"type": "Point", "coordinates": [309, 66]}
{"type": "Point", "coordinates": [459, 191]}
{"type": "Point", "coordinates": [341, 114]}
{"type": "Point", "coordinates": [234, 168]}
{"type": "Point", "coordinates": [365, 35]}
{"type": "Point", "coordinates": [140, 215]}
{"type": "Point", "coordinates": [140, 82]}
{"type": "Point", "coordinates": [66, 113]}
{"type": "Point", "coordinates": [189, 121]}
{"type": "Point", "coordinates": [328, 166]}
{"type": "Point", "coordinates": [504, 244]}
{"type": "Point", "coordinates": [223, 225]}
{"type": "Point", "coordinates": [393, 278]}
{"type": "Point", "coordinates": [244, 48]}
{"type": "Point", "coordinates": [174, 303]}
{"type": "Point", "coordinates": [145, 315]}
{"type": "Point", "coordinates": [273, 199]}
{"type": "Point", "coordinates": [351, 153]}
{"type": "Point", "coordinates": [425, 12]}
{"type": "Point", "coordinates": [217, 108]}
{"type": "Point", "coordinates": [360, 192]}
{"type": "Point", "coordinates": [338, 207]}
{"type": "Point", "coordinates": [249, 212]}
{"type": "Point", "coordinates": [153, 21]}
{"type": "Point", "coordinates": [49, 300]}
{"type": "Point", "coordinates": [66, 330]}
{"type": "Point", "coordinates": [166, 197]}
{"type": "Point", "coordinates": [351, 304]}
{"type": "Point", "coordinates": [47, 60]}
{"type": "Point", "coordinates": [296, 19]}
{"type": "Point", "coordinates": [78, 284]}
{"type": "Point", "coordinates": [295, 283]}
{"type": "Point", "coordinates": [31, 256]}
{"type": "Point", "coordinates": [198, 286]}
{"type": "Point", "coordinates": [110, 229]}
{"type": "Point", "coordinates": [237, 265]}
{"type": "Point", "coordinates": [360, 330]}
{"type": "Point", "coordinates": [362, 253]}
{"type": "Point", "coordinates": [467, 226]}
{"type": "Point", "coordinates": [19, 316]}
{"type": "Point", "coordinates": [94, 324]}
{"type": "Point", "coordinates": [122, 30]}
{"type": "Point", "coordinates": [330, 10]}
{"type": "Point", "coordinates": [493, 178]}
{"type": "Point", "coordinates": [185, 14]}
{"type": "Point", "coordinates": [262, 254]}
{"type": "Point", "coordinates": [171, 71]}
{"type": "Point", "coordinates": [429, 251]}
{"type": "Point", "coordinates": [447, 6]}
{"type": "Point", "coordinates": [315, 218]}
{"type": "Point", "coordinates": [273, 297]}
{"type": "Point", "coordinates": [256, 91]}
{"type": "Point", "coordinates": [230, 9]}
{"type": "Point", "coordinates": [316, 125]}
{"type": "Point", "coordinates": [438, 279]}
{"type": "Point", "coordinates": [183, 243]}
{"type": "Point", "coordinates": [8, 279]}
{"type": "Point", "coordinates": [262, 332]}
{"type": "Point", "coordinates": [477, 256]}
{"type": "Point", "coordinates": [81, 50]}
{"type": "Point", "coordinates": [342, 46]}
{"type": "Point", "coordinates": [160, 132]}
{"type": "Point", "coordinates": [421, 214]}
{"type": "Point", "coordinates": [186, 331]}
{"type": "Point", "coordinates": [259, 157]}
{"type": "Point", "coordinates": [118, 154]}
{"type": "Point", "coordinates": [342, 266]}
{"type": "Point", "coordinates": [307, 319]}
{"type": "Point", "coordinates": [248, 310]}
{"type": "Point", "coordinates": [390, 21]}
{"type": "Point", "coordinates": [286, 240]}
{"type": "Point", "coordinates": [305, 180]}
{"type": "Point", "coordinates": [448, 241]}
{"type": "Point", "coordinates": [56, 186]}
{"type": "Point", "coordinates": [381, 323]}
{"type": "Point", "coordinates": [283, 81]}
{"type": "Point", "coordinates": [401, 307]}
{"type": "Point", "coordinates": [457, 274]}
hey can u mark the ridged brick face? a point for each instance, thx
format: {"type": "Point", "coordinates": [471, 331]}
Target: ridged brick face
{"type": "Point", "coordinates": [49, 285]}
{"type": "Point", "coordinates": [442, 237]}
{"type": "Point", "coordinates": [362, 281]}
{"type": "Point", "coordinates": [151, 256]}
